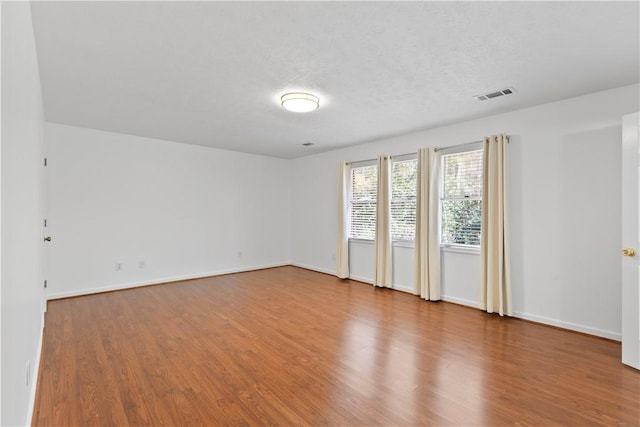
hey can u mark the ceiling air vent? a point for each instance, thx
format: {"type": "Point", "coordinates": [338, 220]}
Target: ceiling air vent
{"type": "Point", "coordinates": [495, 94]}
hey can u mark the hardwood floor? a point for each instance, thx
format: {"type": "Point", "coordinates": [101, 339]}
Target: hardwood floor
{"type": "Point", "coordinates": [287, 346]}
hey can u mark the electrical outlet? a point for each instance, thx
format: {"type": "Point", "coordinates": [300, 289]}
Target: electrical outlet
{"type": "Point", "coordinates": [28, 373]}
{"type": "Point", "coordinates": [239, 254]}
{"type": "Point", "coordinates": [118, 266]}
{"type": "Point", "coordinates": [141, 263]}
{"type": "Point", "coordinates": [333, 256]}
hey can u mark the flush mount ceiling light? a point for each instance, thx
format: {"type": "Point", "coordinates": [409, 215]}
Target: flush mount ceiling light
{"type": "Point", "coordinates": [299, 102]}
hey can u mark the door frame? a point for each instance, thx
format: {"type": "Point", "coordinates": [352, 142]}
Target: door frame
{"type": "Point", "coordinates": [631, 239]}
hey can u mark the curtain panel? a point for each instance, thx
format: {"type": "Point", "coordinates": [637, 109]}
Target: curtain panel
{"type": "Point", "coordinates": [427, 240]}
{"type": "Point", "coordinates": [495, 291]}
{"type": "Point", "coordinates": [342, 236]}
{"type": "Point", "coordinates": [383, 263]}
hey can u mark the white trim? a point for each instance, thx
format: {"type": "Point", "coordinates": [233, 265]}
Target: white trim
{"type": "Point", "coordinates": [1, 210]}
{"type": "Point", "coordinates": [312, 268]}
{"type": "Point", "coordinates": [411, 244]}
{"type": "Point", "coordinates": [404, 289]}
{"type": "Point", "coordinates": [361, 279]}
{"type": "Point", "coordinates": [43, 307]}
{"type": "Point", "coordinates": [333, 273]}
{"type": "Point", "coordinates": [158, 281]}
{"type": "Point", "coordinates": [569, 325]}
{"type": "Point", "coordinates": [460, 249]}
{"type": "Point", "coordinates": [363, 241]}
{"type": "Point", "coordinates": [545, 320]}
{"type": "Point", "coordinates": [461, 301]}
{"type": "Point", "coordinates": [473, 304]}
{"type": "Point", "coordinates": [34, 380]}
{"type": "Point", "coordinates": [404, 157]}
{"type": "Point", "coordinates": [362, 163]}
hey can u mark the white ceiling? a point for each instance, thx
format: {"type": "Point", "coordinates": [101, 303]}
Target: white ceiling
{"type": "Point", "coordinates": [211, 73]}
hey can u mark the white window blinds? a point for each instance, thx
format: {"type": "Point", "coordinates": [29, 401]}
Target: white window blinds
{"type": "Point", "coordinates": [403, 199]}
{"type": "Point", "coordinates": [461, 199]}
{"type": "Point", "coordinates": [362, 202]}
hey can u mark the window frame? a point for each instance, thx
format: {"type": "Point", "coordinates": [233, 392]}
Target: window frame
{"type": "Point", "coordinates": [457, 247]}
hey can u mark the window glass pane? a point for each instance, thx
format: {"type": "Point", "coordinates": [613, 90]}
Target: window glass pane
{"type": "Point", "coordinates": [403, 179]}
{"type": "Point", "coordinates": [461, 222]}
{"type": "Point", "coordinates": [362, 205]}
{"type": "Point", "coordinates": [364, 183]}
{"type": "Point", "coordinates": [461, 202]}
{"type": "Point", "coordinates": [403, 219]}
{"type": "Point", "coordinates": [462, 174]}
{"type": "Point", "coordinates": [363, 221]}
{"type": "Point", "coordinates": [403, 199]}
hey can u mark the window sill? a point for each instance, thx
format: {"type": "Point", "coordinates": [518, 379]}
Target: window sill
{"type": "Point", "coordinates": [460, 249]}
{"type": "Point", "coordinates": [411, 245]}
{"type": "Point", "coordinates": [364, 241]}
{"type": "Point", "coordinates": [404, 244]}
{"type": "Point", "coordinates": [396, 243]}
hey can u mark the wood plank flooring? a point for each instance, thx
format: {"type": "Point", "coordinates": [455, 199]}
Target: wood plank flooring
{"type": "Point", "coordinates": [287, 346]}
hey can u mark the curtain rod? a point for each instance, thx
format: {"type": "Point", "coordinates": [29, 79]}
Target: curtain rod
{"type": "Point", "coordinates": [465, 144]}
{"type": "Point", "coordinates": [435, 149]}
{"type": "Point", "coordinates": [371, 160]}
{"type": "Point", "coordinates": [458, 145]}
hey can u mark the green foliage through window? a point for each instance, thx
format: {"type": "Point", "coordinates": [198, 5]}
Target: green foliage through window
{"type": "Point", "coordinates": [403, 199]}
{"type": "Point", "coordinates": [461, 202]}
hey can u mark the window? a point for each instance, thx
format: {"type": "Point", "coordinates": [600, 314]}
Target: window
{"type": "Point", "coordinates": [362, 202]}
{"type": "Point", "coordinates": [364, 192]}
{"type": "Point", "coordinates": [403, 199]}
{"type": "Point", "coordinates": [461, 198]}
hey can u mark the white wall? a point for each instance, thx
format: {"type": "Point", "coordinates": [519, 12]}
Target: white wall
{"type": "Point", "coordinates": [564, 207]}
{"type": "Point", "coordinates": [187, 211]}
{"type": "Point", "coordinates": [21, 156]}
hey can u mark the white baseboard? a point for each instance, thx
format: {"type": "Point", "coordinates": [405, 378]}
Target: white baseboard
{"type": "Point", "coordinates": [461, 301]}
{"type": "Point", "coordinates": [474, 304]}
{"type": "Point", "coordinates": [312, 268]}
{"type": "Point", "coordinates": [361, 279]}
{"type": "Point", "coordinates": [569, 325]}
{"type": "Point", "coordinates": [331, 272]}
{"type": "Point", "coordinates": [34, 379]}
{"type": "Point", "coordinates": [545, 320]}
{"type": "Point", "coordinates": [158, 281]}
{"type": "Point", "coordinates": [404, 289]}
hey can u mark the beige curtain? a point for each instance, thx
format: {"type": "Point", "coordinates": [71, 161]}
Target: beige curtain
{"type": "Point", "coordinates": [495, 291]}
{"type": "Point", "coordinates": [383, 276]}
{"type": "Point", "coordinates": [427, 241]}
{"type": "Point", "coordinates": [342, 250]}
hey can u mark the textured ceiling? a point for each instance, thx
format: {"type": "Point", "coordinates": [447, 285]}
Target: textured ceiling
{"type": "Point", "coordinates": [211, 73]}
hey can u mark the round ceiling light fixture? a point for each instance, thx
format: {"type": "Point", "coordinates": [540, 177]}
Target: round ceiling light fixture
{"type": "Point", "coordinates": [299, 102]}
